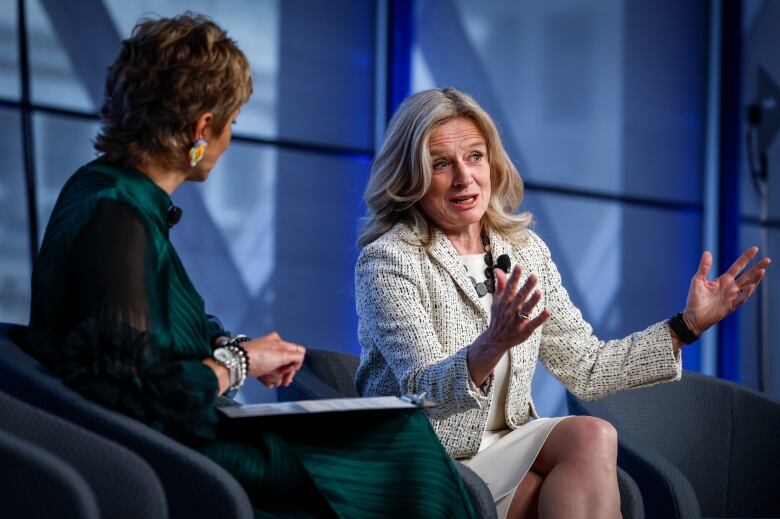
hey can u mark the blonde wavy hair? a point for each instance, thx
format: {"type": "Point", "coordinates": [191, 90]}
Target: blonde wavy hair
{"type": "Point", "coordinates": [168, 73]}
{"type": "Point", "coordinates": [401, 172]}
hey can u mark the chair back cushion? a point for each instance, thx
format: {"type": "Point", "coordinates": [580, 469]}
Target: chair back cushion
{"type": "Point", "coordinates": [335, 368]}
{"type": "Point", "coordinates": [36, 483]}
{"type": "Point", "coordinates": [194, 485]}
{"type": "Point", "coordinates": [124, 484]}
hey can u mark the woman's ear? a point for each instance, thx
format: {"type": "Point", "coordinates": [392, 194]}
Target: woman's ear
{"type": "Point", "coordinates": [203, 128]}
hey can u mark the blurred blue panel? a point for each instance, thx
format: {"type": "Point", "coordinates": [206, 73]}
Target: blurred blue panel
{"type": "Point", "coordinates": [664, 81]}
{"type": "Point", "coordinates": [400, 49]}
{"type": "Point", "coordinates": [254, 24]}
{"type": "Point", "coordinates": [326, 72]}
{"type": "Point", "coordinates": [62, 145]}
{"type": "Point", "coordinates": [750, 357]}
{"type": "Point", "coordinates": [586, 94]}
{"type": "Point", "coordinates": [227, 237]}
{"type": "Point", "coordinates": [625, 267]}
{"type": "Point", "coordinates": [15, 251]}
{"type": "Point", "coordinates": [269, 242]}
{"type": "Point", "coordinates": [760, 45]}
{"type": "Point", "coordinates": [10, 87]}
{"type": "Point", "coordinates": [318, 58]}
{"type": "Point", "coordinates": [53, 79]}
{"type": "Point", "coordinates": [317, 206]}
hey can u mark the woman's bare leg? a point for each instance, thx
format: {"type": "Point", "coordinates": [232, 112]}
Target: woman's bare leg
{"type": "Point", "coordinates": [574, 475]}
{"type": "Point", "coordinates": [578, 464]}
{"type": "Point", "coordinates": [525, 503]}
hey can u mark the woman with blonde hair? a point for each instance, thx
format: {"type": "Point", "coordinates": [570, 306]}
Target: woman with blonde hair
{"type": "Point", "coordinates": [115, 314]}
{"type": "Point", "coordinates": [458, 299]}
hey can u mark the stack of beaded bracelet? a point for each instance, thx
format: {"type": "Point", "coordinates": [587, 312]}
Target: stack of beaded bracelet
{"type": "Point", "coordinates": [234, 345]}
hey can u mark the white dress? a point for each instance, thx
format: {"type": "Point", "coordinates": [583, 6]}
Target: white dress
{"type": "Point", "coordinates": [505, 455]}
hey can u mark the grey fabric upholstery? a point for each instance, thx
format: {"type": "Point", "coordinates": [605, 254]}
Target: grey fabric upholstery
{"type": "Point", "coordinates": [330, 374]}
{"type": "Point", "coordinates": [699, 447]}
{"type": "Point", "coordinates": [325, 374]}
{"type": "Point", "coordinates": [194, 485]}
{"type": "Point", "coordinates": [631, 505]}
{"type": "Point", "coordinates": [125, 485]}
{"type": "Point", "coordinates": [36, 484]}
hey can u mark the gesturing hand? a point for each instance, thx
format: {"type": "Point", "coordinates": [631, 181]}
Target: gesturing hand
{"type": "Point", "coordinates": [510, 321]}
{"type": "Point", "coordinates": [273, 360]}
{"type": "Point", "coordinates": [710, 301]}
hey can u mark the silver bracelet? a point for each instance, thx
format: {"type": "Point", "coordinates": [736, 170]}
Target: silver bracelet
{"type": "Point", "coordinates": [234, 345]}
{"type": "Point", "coordinates": [235, 358]}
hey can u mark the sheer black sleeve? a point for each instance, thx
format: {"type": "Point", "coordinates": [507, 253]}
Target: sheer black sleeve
{"type": "Point", "coordinates": [113, 355]}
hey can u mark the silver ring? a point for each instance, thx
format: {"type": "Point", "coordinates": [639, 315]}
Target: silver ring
{"type": "Point", "coordinates": [523, 315]}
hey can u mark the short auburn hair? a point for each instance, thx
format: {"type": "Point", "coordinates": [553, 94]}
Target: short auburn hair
{"type": "Point", "coordinates": [169, 72]}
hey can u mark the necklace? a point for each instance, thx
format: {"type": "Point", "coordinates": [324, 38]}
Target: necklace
{"type": "Point", "coordinates": [489, 285]}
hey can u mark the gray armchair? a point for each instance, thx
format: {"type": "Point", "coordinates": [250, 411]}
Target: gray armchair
{"type": "Point", "coordinates": [124, 485]}
{"type": "Point", "coordinates": [329, 374]}
{"type": "Point", "coordinates": [194, 485]}
{"type": "Point", "coordinates": [35, 483]}
{"type": "Point", "coordinates": [701, 447]}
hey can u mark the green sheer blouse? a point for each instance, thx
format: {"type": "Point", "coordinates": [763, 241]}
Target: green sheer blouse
{"type": "Point", "coordinates": [113, 310]}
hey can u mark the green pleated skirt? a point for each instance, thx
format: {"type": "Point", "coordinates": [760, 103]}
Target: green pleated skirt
{"type": "Point", "coordinates": [361, 465]}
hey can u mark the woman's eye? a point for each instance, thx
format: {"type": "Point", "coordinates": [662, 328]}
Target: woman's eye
{"type": "Point", "coordinates": [476, 157]}
{"type": "Point", "coordinates": [439, 164]}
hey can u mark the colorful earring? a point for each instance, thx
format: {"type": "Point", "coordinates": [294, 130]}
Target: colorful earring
{"type": "Point", "coordinates": [197, 151]}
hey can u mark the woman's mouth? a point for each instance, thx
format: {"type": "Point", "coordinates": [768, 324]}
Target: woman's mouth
{"type": "Point", "coordinates": [464, 202]}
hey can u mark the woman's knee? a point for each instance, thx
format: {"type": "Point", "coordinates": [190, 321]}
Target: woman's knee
{"type": "Point", "coordinates": [587, 436]}
{"type": "Point", "coordinates": [597, 436]}
{"type": "Point", "coordinates": [578, 439]}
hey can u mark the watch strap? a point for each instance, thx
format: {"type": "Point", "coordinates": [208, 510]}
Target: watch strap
{"type": "Point", "coordinates": [680, 328]}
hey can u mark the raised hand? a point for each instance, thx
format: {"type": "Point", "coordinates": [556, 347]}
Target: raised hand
{"type": "Point", "coordinates": [510, 323]}
{"type": "Point", "coordinates": [710, 301]}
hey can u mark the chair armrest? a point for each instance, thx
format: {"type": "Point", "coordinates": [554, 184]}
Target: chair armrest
{"type": "Point", "coordinates": [666, 492]}
{"type": "Point", "coordinates": [479, 492]}
{"type": "Point", "coordinates": [631, 503]}
{"type": "Point", "coordinates": [306, 386]}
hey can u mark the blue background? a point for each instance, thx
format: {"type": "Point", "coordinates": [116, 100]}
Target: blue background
{"type": "Point", "coordinates": [613, 112]}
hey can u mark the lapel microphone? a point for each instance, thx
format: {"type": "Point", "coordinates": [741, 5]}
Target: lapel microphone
{"type": "Point", "coordinates": [504, 263]}
{"type": "Point", "coordinates": [173, 215]}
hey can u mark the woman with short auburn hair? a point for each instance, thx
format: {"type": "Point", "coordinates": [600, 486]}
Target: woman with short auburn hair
{"type": "Point", "coordinates": [438, 314]}
{"type": "Point", "coordinates": [153, 99]}
{"type": "Point", "coordinates": [116, 316]}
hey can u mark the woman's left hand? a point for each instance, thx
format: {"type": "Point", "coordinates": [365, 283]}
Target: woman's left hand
{"type": "Point", "coordinates": [710, 301]}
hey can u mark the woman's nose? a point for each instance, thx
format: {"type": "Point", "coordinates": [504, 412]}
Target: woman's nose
{"type": "Point", "coordinates": [460, 174]}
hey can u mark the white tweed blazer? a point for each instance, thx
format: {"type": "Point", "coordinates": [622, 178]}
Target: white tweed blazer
{"type": "Point", "coordinates": [418, 313]}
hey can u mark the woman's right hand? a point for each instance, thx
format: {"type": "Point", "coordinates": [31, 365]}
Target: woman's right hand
{"type": "Point", "coordinates": [509, 322]}
{"type": "Point", "coordinates": [273, 360]}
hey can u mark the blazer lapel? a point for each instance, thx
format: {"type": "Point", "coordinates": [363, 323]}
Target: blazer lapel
{"type": "Point", "coordinates": [445, 254]}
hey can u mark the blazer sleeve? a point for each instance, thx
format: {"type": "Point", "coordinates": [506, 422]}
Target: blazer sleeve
{"type": "Point", "coordinates": [591, 368]}
{"type": "Point", "coordinates": [394, 320]}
